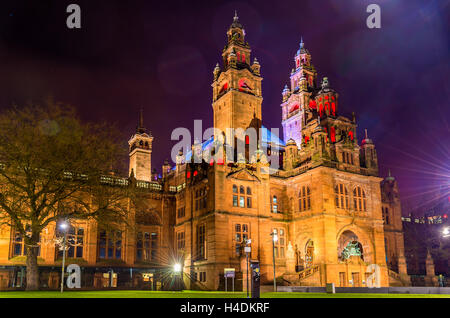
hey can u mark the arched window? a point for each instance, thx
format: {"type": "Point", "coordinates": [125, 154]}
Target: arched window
{"type": "Point", "coordinates": [359, 199]}
{"type": "Point", "coordinates": [304, 201]}
{"type": "Point", "coordinates": [274, 204]}
{"type": "Point", "coordinates": [341, 196]}
{"type": "Point", "coordinates": [243, 197]}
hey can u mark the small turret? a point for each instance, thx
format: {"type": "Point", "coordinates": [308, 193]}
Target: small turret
{"type": "Point", "coordinates": [369, 155]}
{"type": "Point", "coordinates": [285, 93]}
{"type": "Point", "coordinates": [165, 168]}
{"type": "Point", "coordinates": [290, 155]}
{"type": "Point", "coordinates": [256, 68]}
{"type": "Point", "coordinates": [216, 71]}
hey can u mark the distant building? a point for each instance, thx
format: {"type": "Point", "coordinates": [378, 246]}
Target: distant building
{"type": "Point", "coordinates": [423, 230]}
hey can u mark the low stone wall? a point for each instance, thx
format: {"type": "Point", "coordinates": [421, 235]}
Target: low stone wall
{"type": "Point", "coordinates": [367, 290]}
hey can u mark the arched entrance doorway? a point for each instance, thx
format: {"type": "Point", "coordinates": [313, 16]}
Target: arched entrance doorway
{"type": "Point", "coordinates": [349, 245]}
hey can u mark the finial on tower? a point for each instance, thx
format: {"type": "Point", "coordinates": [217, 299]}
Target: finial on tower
{"type": "Point", "coordinates": [236, 23]}
{"type": "Point", "coordinates": [301, 42]}
{"type": "Point", "coordinates": [366, 132]}
{"type": "Point", "coordinates": [141, 129]}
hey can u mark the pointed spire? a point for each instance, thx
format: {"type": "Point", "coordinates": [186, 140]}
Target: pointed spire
{"type": "Point", "coordinates": [390, 177]}
{"type": "Point", "coordinates": [301, 49]}
{"type": "Point", "coordinates": [236, 23]}
{"type": "Point", "coordinates": [366, 140]}
{"type": "Point", "coordinates": [140, 128]}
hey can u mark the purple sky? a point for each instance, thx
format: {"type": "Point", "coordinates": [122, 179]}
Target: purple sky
{"type": "Point", "coordinates": [160, 56]}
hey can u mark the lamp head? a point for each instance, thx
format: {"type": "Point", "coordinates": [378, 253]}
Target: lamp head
{"type": "Point", "coordinates": [177, 268]}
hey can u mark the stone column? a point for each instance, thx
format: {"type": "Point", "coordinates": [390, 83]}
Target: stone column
{"type": "Point", "coordinates": [402, 270]}
{"type": "Point", "coordinates": [290, 274]}
{"type": "Point", "coordinates": [430, 279]}
{"type": "Point", "coordinates": [290, 259]}
{"type": "Point", "coordinates": [244, 275]}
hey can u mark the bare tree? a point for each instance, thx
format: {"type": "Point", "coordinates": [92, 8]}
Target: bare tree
{"type": "Point", "coordinates": [53, 167]}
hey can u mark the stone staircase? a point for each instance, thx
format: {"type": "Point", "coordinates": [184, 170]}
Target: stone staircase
{"type": "Point", "coordinates": [395, 280]}
{"type": "Point", "coordinates": [307, 277]}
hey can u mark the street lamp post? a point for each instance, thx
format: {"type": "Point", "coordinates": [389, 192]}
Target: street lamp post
{"type": "Point", "coordinates": [274, 239]}
{"type": "Point", "coordinates": [247, 250]}
{"type": "Point", "coordinates": [63, 226]}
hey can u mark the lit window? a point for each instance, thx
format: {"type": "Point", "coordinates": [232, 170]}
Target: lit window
{"type": "Point", "coordinates": [241, 235]}
{"type": "Point", "coordinates": [359, 199]}
{"type": "Point", "coordinates": [341, 196]}
{"type": "Point", "coordinates": [274, 204]}
{"type": "Point", "coordinates": [304, 201]}
{"type": "Point", "coordinates": [280, 243]}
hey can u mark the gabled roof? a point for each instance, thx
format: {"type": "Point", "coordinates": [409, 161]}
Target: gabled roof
{"type": "Point", "coordinates": [243, 174]}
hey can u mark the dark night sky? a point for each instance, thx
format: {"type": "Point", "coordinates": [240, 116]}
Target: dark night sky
{"type": "Point", "coordinates": [160, 55]}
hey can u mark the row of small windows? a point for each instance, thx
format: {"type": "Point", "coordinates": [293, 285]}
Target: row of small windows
{"type": "Point", "coordinates": [200, 276]}
{"type": "Point", "coordinates": [347, 158]}
{"type": "Point", "coordinates": [243, 197]}
{"type": "Point", "coordinates": [342, 199]}
{"type": "Point", "coordinates": [242, 234]}
{"type": "Point", "coordinates": [109, 244]}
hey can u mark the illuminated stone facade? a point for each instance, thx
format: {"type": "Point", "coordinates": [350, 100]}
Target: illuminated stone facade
{"type": "Point", "coordinates": [325, 204]}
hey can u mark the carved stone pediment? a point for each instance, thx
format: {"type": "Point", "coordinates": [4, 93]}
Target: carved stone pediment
{"type": "Point", "coordinates": [243, 174]}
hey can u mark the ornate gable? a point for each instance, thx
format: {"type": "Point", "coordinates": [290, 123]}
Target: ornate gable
{"type": "Point", "coordinates": [243, 174]}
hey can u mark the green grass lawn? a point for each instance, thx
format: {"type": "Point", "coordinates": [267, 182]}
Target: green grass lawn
{"type": "Point", "coordinates": [195, 294]}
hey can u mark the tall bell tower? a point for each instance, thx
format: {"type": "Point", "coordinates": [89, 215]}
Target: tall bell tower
{"type": "Point", "coordinates": [237, 84]}
{"type": "Point", "coordinates": [296, 98]}
{"type": "Point", "coordinates": [140, 152]}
